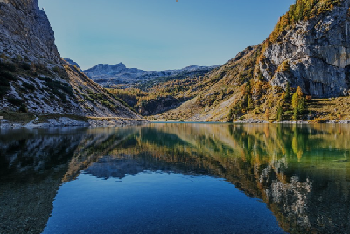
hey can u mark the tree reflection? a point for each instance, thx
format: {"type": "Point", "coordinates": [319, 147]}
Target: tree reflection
{"type": "Point", "coordinates": [300, 172]}
{"type": "Point", "coordinates": [285, 166]}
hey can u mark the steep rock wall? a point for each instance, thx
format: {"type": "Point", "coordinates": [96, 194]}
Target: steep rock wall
{"type": "Point", "coordinates": [317, 52]}
{"type": "Point", "coordinates": [25, 32]}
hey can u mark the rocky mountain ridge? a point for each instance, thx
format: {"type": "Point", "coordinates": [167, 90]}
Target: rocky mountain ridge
{"type": "Point", "coordinates": [33, 77]}
{"type": "Point", "coordinates": [119, 75]}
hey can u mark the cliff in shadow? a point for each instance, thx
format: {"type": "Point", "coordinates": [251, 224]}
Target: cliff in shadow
{"type": "Point", "coordinates": [31, 170]}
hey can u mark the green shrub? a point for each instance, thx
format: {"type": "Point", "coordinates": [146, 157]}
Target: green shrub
{"type": "Point", "coordinates": [67, 89]}
{"type": "Point", "coordinates": [107, 104]}
{"type": "Point", "coordinates": [86, 97]}
{"type": "Point", "coordinates": [279, 113]}
{"type": "Point", "coordinates": [15, 101]}
{"type": "Point", "coordinates": [28, 86]}
{"type": "Point", "coordinates": [121, 101]}
{"type": "Point", "coordinates": [55, 86]}
{"type": "Point", "coordinates": [26, 66]}
{"type": "Point", "coordinates": [287, 93]}
{"type": "Point", "coordinates": [7, 75]}
{"type": "Point", "coordinates": [47, 79]}
{"type": "Point", "coordinates": [4, 90]}
{"type": "Point", "coordinates": [8, 67]}
{"type": "Point", "coordinates": [23, 109]}
{"type": "Point", "coordinates": [4, 82]}
{"type": "Point", "coordinates": [61, 95]}
{"type": "Point", "coordinates": [295, 114]}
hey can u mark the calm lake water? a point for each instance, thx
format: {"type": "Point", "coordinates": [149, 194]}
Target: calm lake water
{"type": "Point", "coordinates": [176, 178]}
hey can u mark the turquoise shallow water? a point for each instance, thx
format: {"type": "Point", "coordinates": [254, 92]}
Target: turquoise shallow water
{"type": "Point", "coordinates": [176, 178]}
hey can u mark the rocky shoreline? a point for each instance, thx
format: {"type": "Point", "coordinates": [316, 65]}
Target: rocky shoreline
{"type": "Point", "coordinates": [67, 122]}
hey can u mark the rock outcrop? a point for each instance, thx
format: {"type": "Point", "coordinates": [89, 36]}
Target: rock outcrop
{"type": "Point", "coordinates": [317, 53]}
{"type": "Point", "coordinates": [26, 33]}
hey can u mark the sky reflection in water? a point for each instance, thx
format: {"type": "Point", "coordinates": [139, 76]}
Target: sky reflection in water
{"type": "Point", "coordinates": [176, 178]}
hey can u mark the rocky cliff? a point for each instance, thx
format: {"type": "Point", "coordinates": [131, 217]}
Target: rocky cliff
{"type": "Point", "coordinates": [26, 33]}
{"type": "Point", "coordinates": [33, 77]}
{"type": "Point", "coordinates": [317, 51]}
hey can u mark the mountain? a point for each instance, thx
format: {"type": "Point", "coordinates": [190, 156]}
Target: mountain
{"type": "Point", "coordinates": [108, 75]}
{"type": "Point", "coordinates": [120, 76]}
{"type": "Point", "coordinates": [309, 48]}
{"type": "Point", "coordinates": [314, 50]}
{"type": "Point", "coordinates": [33, 77]}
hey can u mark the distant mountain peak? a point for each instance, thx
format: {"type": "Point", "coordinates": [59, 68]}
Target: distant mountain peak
{"type": "Point", "coordinates": [109, 75]}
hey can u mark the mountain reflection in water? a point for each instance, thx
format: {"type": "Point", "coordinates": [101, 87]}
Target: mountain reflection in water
{"type": "Point", "coordinates": [300, 172]}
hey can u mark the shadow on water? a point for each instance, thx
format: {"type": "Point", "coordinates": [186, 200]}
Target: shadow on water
{"type": "Point", "coordinates": [300, 172]}
{"type": "Point", "coordinates": [32, 164]}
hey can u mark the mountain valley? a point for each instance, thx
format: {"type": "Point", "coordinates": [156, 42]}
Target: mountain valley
{"type": "Point", "coordinates": [300, 72]}
{"type": "Point", "coordinates": [304, 63]}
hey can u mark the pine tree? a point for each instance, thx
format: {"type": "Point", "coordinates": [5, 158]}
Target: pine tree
{"type": "Point", "coordinates": [279, 113]}
{"type": "Point", "coordinates": [298, 102]}
{"type": "Point", "coordinates": [287, 94]}
{"type": "Point", "coordinates": [295, 101]}
{"type": "Point", "coordinates": [295, 114]}
{"type": "Point", "coordinates": [250, 103]}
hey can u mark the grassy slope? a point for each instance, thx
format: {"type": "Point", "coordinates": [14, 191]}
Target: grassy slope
{"type": "Point", "coordinates": [221, 89]}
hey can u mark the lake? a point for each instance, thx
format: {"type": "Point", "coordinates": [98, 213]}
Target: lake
{"type": "Point", "coordinates": [176, 178]}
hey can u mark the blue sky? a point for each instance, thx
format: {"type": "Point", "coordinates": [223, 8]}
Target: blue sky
{"type": "Point", "coordinates": [160, 34]}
